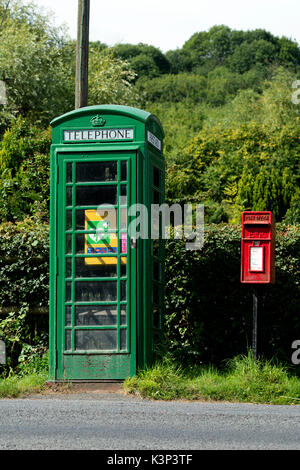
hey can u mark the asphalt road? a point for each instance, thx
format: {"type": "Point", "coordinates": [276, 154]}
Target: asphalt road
{"type": "Point", "coordinates": [109, 421]}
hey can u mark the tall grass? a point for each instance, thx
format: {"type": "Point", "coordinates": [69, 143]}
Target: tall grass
{"type": "Point", "coordinates": [30, 377]}
{"type": "Point", "coordinates": [242, 380]}
{"type": "Point", "coordinates": [15, 386]}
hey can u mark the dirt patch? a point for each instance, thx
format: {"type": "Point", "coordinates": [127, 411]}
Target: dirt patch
{"type": "Point", "coordinates": [85, 387]}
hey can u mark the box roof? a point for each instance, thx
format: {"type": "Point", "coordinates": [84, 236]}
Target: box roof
{"type": "Point", "coordinates": [135, 113]}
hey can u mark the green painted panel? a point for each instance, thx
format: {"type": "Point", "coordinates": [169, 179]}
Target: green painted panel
{"type": "Point", "coordinates": [96, 367]}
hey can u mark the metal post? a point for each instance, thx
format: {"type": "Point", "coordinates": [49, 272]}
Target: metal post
{"type": "Point", "coordinates": [82, 54]}
{"type": "Point", "coordinates": [254, 327]}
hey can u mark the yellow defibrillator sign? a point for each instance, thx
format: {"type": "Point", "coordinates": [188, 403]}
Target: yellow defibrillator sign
{"type": "Point", "coordinates": [103, 240]}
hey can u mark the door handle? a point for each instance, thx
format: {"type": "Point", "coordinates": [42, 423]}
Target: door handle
{"type": "Point", "coordinates": [132, 243]}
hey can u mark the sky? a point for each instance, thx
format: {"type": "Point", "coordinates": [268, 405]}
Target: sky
{"type": "Point", "coordinates": [167, 24]}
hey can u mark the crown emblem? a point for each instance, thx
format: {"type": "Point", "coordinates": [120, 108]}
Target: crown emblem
{"type": "Point", "coordinates": [98, 121]}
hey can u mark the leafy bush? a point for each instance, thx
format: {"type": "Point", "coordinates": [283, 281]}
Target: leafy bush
{"type": "Point", "coordinates": [24, 172]}
{"type": "Point", "coordinates": [208, 311]}
{"type": "Point", "coordinates": [24, 291]}
{"type": "Point", "coordinates": [247, 167]}
{"type": "Point", "coordinates": [174, 88]}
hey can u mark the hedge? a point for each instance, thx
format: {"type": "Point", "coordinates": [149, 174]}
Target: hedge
{"type": "Point", "coordinates": [208, 312]}
{"type": "Point", "coordinates": [24, 261]}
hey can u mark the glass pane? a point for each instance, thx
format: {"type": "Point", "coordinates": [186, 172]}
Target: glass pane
{"type": "Point", "coordinates": [68, 291]}
{"type": "Point", "coordinates": [80, 219]}
{"type": "Point", "coordinates": [156, 177]}
{"type": "Point", "coordinates": [123, 196]}
{"type": "Point", "coordinates": [102, 221]}
{"type": "Point", "coordinates": [123, 267]}
{"type": "Point", "coordinates": [97, 171]}
{"type": "Point", "coordinates": [69, 172]}
{"type": "Point", "coordinates": [68, 315]}
{"type": "Point", "coordinates": [96, 315]}
{"type": "Point", "coordinates": [156, 197]}
{"type": "Point", "coordinates": [123, 171]}
{"type": "Point", "coordinates": [68, 244]}
{"type": "Point", "coordinates": [123, 243]}
{"type": "Point", "coordinates": [69, 196]}
{"type": "Point", "coordinates": [123, 290]}
{"type": "Point", "coordinates": [123, 315]}
{"type": "Point", "coordinates": [92, 244]}
{"type": "Point", "coordinates": [123, 340]}
{"type": "Point", "coordinates": [90, 219]}
{"type": "Point", "coordinates": [68, 340]}
{"type": "Point", "coordinates": [99, 291]}
{"type": "Point", "coordinates": [96, 195]}
{"type": "Point", "coordinates": [69, 220]}
{"type": "Point", "coordinates": [79, 243]}
{"type": "Point", "coordinates": [96, 339]}
{"type": "Point", "coordinates": [123, 218]}
{"type": "Point", "coordinates": [95, 267]}
{"type": "Point", "coordinates": [68, 267]}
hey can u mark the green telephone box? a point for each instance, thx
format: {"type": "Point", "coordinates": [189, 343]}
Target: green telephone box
{"type": "Point", "coordinates": [106, 287]}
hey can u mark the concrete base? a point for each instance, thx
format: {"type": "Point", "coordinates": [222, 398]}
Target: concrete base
{"type": "Point", "coordinates": [82, 386]}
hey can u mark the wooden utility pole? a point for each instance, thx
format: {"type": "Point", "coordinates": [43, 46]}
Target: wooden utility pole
{"type": "Point", "coordinates": [82, 54]}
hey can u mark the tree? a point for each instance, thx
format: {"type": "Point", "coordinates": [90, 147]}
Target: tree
{"type": "Point", "coordinates": [174, 88]}
{"type": "Point", "coordinates": [179, 60]}
{"type": "Point", "coordinates": [33, 66]}
{"type": "Point", "coordinates": [222, 85]}
{"type": "Point", "coordinates": [213, 45]}
{"type": "Point", "coordinates": [111, 79]}
{"type": "Point", "coordinates": [146, 61]}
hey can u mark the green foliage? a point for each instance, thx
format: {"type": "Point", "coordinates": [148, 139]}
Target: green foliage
{"type": "Point", "coordinates": [21, 141]}
{"type": "Point", "coordinates": [24, 172]}
{"type": "Point", "coordinates": [24, 263]}
{"type": "Point", "coordinates": [222, 85]}
{"type": "Point", "coordinates": [14, 386]}
{"type": "Point", "coordinates": [14, 330]}
{"type": "Point", "coordinates": [33, 360]}
{"type": "Point", "coordinates": [250, 166]}
{"type": "Point", "coordinates": [146, 61]}
{"type": "Point", "coordinates": [239, 50]}
{"type": "Point", "coordinates": [212, 46]}
{"type": "Point", "coordinates": [110, 79]}
{"type": "Point", "coordinates": [241, 380]}
{"type": "Point", "coordinates": [33, 65]}
{"type": "Point", "coordinates": [180, 122]}
{"type": "Point", "coordinates": [208, 311]}
{"type": "Point", "coordinates": [292, 215]}
{"type": "Point", "coordinates": [174, 88]}
{"type": "Point", "coordinates": [180, 61]}
{"type": "Point", "coordinates": [24, 252]}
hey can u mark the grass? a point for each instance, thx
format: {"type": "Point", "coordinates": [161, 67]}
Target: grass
{"type": "Point", "coordinates": [29, 377]}
{"type": "Point", "coordinates": [15, 386]}
{"type": "Point", "coordinates": [242, 380]}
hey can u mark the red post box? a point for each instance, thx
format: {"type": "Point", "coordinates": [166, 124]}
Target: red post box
{"type": "Point", "coordinates": [258, 248]}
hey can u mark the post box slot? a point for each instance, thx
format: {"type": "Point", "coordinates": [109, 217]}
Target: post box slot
{"type": "Point", "coordinates": [257, 232]}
